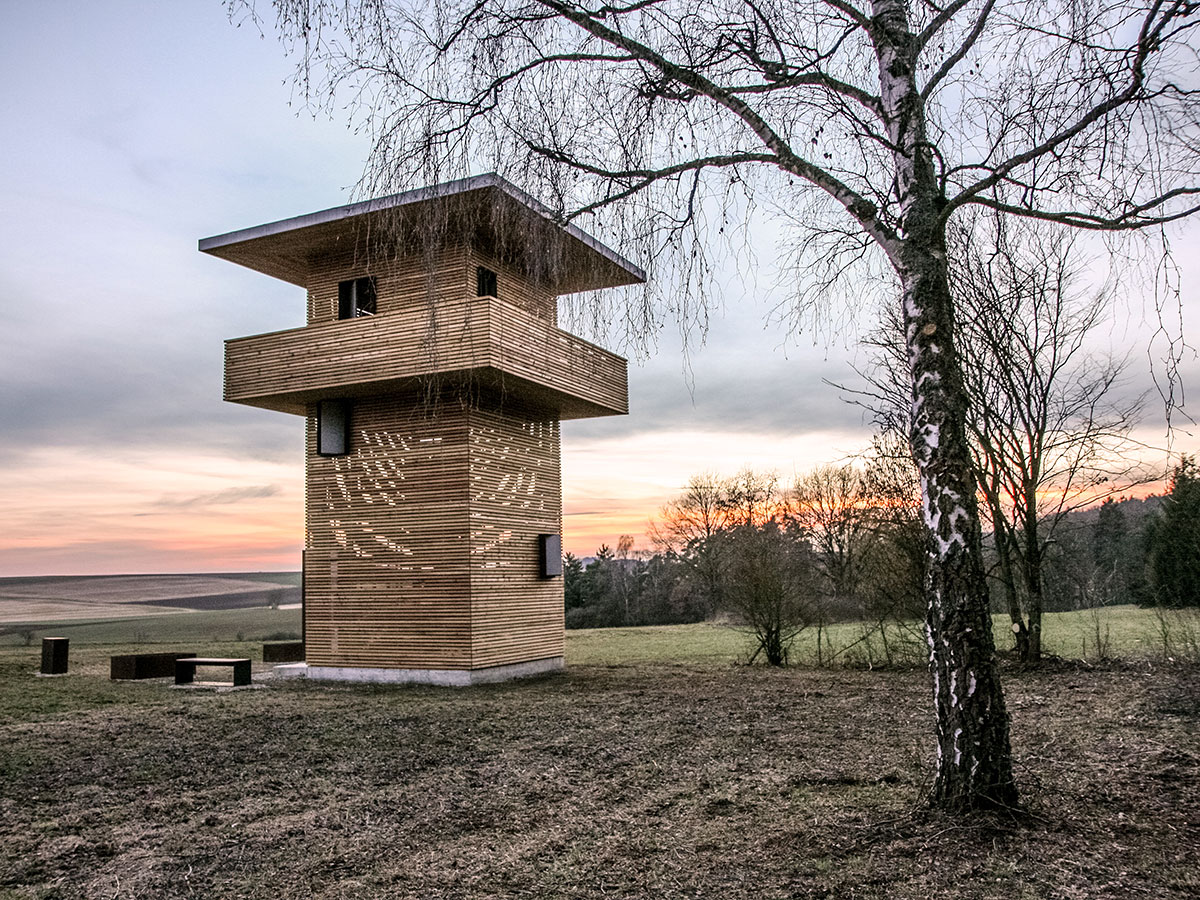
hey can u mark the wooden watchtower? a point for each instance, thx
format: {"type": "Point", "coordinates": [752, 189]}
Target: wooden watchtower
{"type": "Point", "coordinates": [433, 377]}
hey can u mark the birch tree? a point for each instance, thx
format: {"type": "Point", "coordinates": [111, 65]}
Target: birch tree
{"type": "Point", "coordinates": [876, 120]}
{"type": "Point", "coordinates": [1049, 421]}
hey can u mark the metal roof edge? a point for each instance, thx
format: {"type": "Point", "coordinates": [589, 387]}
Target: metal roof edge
{"type": "Point", "coordinates": [574, 230]}
{"type": "Point", "coordinates": [392, 201]}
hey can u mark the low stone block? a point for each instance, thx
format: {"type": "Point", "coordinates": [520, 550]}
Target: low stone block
{"type": "Point", "coordinates": [136, 666]}
{"type": "Point", "coordinates": [283, 651]}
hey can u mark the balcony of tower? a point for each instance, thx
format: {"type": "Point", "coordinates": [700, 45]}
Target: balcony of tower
{"type": "Point", "coordinates": [467, 343]}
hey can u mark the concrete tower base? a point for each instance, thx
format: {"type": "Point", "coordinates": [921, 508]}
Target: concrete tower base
{"type": "Point", "coordinates": [436, 677]}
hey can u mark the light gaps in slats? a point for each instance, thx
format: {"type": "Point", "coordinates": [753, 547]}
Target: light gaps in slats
{"type": "Point", "coordinates": [516, 491]}
{"type": "Point", "coordinates": [443, 572]}
{"type": "Point", "coordinates": [387, 582]}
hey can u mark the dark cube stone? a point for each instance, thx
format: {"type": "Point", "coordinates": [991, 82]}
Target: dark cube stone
{"type": "Point", "coordinates": [54, 655]}
{"type": "Point", "coordinates": [283, 651]}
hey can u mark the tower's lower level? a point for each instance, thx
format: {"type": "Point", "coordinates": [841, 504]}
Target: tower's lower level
{"type": "Point", "coordinates": [422, 544]}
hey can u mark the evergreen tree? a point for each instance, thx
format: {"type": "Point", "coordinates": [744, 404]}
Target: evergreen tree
{"type": "Point", "coordinates": [1112, 553]}
{"type": "Point", "coordinates": [1175, 548]}
{"type": "Point", "coordinates": [572, 581]}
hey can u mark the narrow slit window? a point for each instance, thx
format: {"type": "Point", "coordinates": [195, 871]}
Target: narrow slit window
{"type": "Point", "coordinates": [550, 555]}
{"type": "Point", "coordinates": [356, 297]}
{"type": "Point", "coordinates": [333, 427]}
{"type": "Point", "coordinates": [485, 281]}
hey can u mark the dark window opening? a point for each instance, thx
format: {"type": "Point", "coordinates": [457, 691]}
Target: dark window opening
{"type": "Point", "coordinates": [356, 298]}
{"type": "Point", "coordinates": [550, 555]}
{"type": "Point", "coordinates": [485, 283]}
{"type": "Point", "coordinates": [333, 427]}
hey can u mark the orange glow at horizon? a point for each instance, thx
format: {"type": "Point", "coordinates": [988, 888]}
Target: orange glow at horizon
{"type": "Point", "coordinates": [617, 486]}
{"type": "Point", "coordinates": [78, 512]}
{"type": "Point", "coordinates": [151, 513]}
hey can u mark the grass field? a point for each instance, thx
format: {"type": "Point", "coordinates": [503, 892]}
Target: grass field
{"type": "Point", "coordinates": [91, 598]}
{"type": "Point", "coordinates": [222, 625]}
{"type": "Point", "coordinates": [654, 767]}
{"type": "Point", "coordinates": [1124, 632]}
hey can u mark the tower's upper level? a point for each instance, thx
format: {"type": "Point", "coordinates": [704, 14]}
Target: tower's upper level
{"type": "Point", "coordinates": [459, 281]}
{"type": "Point", "coordinates": [484, 213]}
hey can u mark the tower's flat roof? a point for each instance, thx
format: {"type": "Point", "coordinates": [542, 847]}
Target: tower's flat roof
{"type": "Point", "coordinates": [484, 209]}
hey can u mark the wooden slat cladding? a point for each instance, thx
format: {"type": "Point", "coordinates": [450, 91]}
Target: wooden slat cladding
{"type": "Point", "coordinates": [516, 494]}
{"type": "Point", "coordinates": [407, 282]}
{"type": "Point", "coordinates": [490, 341]}
{"type": "Point", "coordinates": [515, 289]}
{"type": "Point", "coordinates": [522, 346]}
{"type": "Point", "coordinates": [400, 283]}
{"type": "Point", "coordinates": [387, 559]}
{"type": "Point", "coordinates": [421, 546]}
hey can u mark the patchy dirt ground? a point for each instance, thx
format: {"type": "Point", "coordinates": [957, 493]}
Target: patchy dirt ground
{"type": "Point", "coordinates": [648, 781]}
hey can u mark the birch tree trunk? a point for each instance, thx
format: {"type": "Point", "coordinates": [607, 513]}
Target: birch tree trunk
{"type": "Point", "coordinates": [974, 767]}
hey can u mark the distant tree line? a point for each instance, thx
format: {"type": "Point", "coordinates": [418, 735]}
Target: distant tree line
{"type": "Point", "coordinates": [844, 543]}
{"type": "Point", "coordinates": [1130, 551]}
{"type": "Point", "coordinates": [840, 542]}
{"type": "Point", "coordinates": [1147, 553]}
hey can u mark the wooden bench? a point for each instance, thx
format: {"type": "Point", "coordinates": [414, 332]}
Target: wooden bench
{"type": "Point", "coordinates": [185, 668]}
{"type": "Point", "coordinates": [136, 666]}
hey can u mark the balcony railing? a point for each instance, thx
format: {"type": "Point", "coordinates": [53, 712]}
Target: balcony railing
{"type": "Point", "coordinates": [478, 341]}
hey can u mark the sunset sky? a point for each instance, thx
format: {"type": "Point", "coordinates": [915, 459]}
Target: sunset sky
{"type": "Point", "coordinates": [133, 130]}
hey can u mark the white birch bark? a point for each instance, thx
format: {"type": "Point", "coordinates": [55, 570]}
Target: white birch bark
{"type": "Point", "coordinates": [973, 756]}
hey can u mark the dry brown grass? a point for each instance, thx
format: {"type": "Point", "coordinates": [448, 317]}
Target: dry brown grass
{"type": "Point", "coordinates": [641, 781]}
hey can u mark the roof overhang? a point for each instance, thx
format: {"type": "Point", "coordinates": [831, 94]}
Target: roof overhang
{"type": "Point", "coordinates": [484, 210]}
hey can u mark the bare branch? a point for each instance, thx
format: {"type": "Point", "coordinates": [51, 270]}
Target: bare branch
{"type": "Point", "coordinates": [1153, 27]}
{"type": "Point", "coordinates": [1129, 219]}
{"type": "Point", "coordinates": [860, 208]}
{"type": "Point", "coordinates": [963, 48]}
